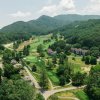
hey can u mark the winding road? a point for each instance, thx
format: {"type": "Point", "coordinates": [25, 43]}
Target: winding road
{"type": "Point", "coordinates": [48, 93]}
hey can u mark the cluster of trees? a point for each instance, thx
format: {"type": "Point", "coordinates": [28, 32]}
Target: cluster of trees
{"type": "Point", "coordinates": [89, 60]}
{"type": "Point", "coordinates": [26, 50]}
{"type": "Point", "coordinates": [78, 79]}
{"type": "Point", "coordinates": [44, 80]}
{"type": "Point", "coordinates": [60, 46]}
{"type": "Point", "coordinates": [40, 50]}
{"type": "Point", "coordinates": [2, 48]}
{"type": "Point", "coordinates": [8, 37]}
{"type": "Point", "coordinates": [16, 89]}
{"type": "Point", "coordinates": [93, 83]}
{"type": "Point", "coordinates": [12, 86]}
{"type": "Point", "coordinates": [9, 55]}
{"type": "Point", "coordinates": [64, 73]}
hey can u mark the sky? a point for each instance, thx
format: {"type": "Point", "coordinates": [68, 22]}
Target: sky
{"type": "Point", "coordinates": [25, 10]}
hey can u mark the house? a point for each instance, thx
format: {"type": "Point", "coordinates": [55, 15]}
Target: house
{"type": "Point", "coordinates": [79, 51]}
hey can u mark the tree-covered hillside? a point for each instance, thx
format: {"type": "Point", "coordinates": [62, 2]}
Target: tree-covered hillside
{"type": "Point", "coordinates": [84, 34]}
{"type": "Point", "coordinates": [45, 23]}
{"type": "Point", "coordinates": [41, 25]}
{"type": "Point", "coordinates": [8, 37]}
{"type": "Point", "coordinates": [76, 17]}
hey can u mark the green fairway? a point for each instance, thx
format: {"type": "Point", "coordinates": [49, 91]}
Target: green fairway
{"type": "Point", "coordinates": [31, 59]}
{"type": "Point", "coordinates": [53, 78]}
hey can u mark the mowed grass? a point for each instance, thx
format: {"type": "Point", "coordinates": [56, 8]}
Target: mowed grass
{"type": "Point", "coordinates": [76, 68]}
{"type": "Point", "coordinates": [81, 95]}
{"type": "Point", "coordinates": [53, 78]}
{"type": "Point", "coordinates": [78, 60]}
{"type": "Point", "coordinates": [39, 40]}
{"type": "Point", "coordinates": [31, 59]}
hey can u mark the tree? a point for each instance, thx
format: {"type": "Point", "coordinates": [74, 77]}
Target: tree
{"type": "Point", "coordinates": [9, 70]}
{"type": "Point", "coordinates": [16, 90]}
{"type": "Point", "coordinates": [62, 80]}
{"type": "Point", "coordinates": [83, 58]}
{"type": "Point", "coordinates": [93, 60]}
{"type": "Point", "coordinates": [2, 47]}
{"type": "Point", "coordinates": [58, 49]}
{"type": "Point", "coordinates": [93, 84]}
{"type": "Point", "coordinates": [0, 75]}
{"type": "Point", "coordinates": [8, 56]}
{"type": "Point", "coordinates": [44, 80]}
{"type": "Point", "coordinates": [87, 60]}
{"type": "Point", "coordinates": [78, 79]}
{"type": "Point", "coordinates": [39, 97]}
{"type": "Point", "coordinates": [42, 54]}
{"type": "Point", "coordinates": [40, 48]}
{"type": "Point", "coordinates": [34, 68]}
{"type": "Point", "coordinates": [26, 50]}
{"type": "Point", "coordinates": [67, 48]}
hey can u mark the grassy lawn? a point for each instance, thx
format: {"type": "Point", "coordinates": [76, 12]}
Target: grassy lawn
{"type": "Point", "coordinates": [78, 64]}
{"type": "Point", "coordinates": [66, 94]}
{"type": "Point", "coordinates": [77, 60]}
{"type": "Point", "coordinates": [76, 68]}
{"type": "Point", "coordinates": [31, 59]}
{"type": "Point", "coordinates": [81, 95]}
{"type": "Point", "coordinates": [53, 78]}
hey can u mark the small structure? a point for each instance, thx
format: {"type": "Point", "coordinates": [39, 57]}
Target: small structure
{"type": "Point", "coordinates": [79, 51]}
{"type": "Point", "coordinates": [13, 61]}
{"type": "Point", "coordinates": [51, 52]}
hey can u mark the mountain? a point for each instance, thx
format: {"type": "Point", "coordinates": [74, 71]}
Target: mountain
{"type": "Point", "coordinates": [45, 23]}
{"type": "Point", "coordinates": [41, 25]}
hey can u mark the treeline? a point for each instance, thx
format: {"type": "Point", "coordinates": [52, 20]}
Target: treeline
{"type": "Point", "coordinates": [8, 37]}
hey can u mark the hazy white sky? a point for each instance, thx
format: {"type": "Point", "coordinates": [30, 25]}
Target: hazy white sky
{"type": "Point", "coordinates": [24, 10]}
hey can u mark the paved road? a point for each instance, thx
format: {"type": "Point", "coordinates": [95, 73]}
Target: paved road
{"type": "Point", "coordinates": [47, 94]}
{"type": "Point", "coordinates": [34, 81]}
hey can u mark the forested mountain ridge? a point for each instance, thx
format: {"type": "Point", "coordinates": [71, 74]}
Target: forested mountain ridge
{"type": "Point", "coordinates": [46, 23]}
{"type": "Point", "coordinates": [41, 25]}
{"type": "Point", "coordinates": [76, 17]}
{"type": "Point", "coordinates": [85, 33]}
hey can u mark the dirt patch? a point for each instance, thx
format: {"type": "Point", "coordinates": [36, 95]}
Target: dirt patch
{"type": "Point", "coordinates": [25, 43]}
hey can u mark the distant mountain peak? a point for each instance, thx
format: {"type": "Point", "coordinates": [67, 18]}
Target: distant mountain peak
{"type": "Point", "coordinates": [44, 17]}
